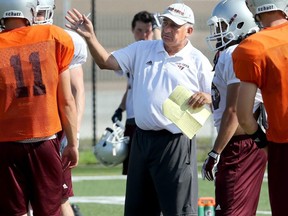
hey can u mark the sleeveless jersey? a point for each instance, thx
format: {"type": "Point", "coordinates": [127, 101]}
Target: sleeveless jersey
{"type": "Point", "coordinates": [31, 60]}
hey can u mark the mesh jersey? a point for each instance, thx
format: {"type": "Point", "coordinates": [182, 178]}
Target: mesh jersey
{"type": "Point", "coordinates": [31, 60]}
{"type": "Point", "coordinates": [262, 59]}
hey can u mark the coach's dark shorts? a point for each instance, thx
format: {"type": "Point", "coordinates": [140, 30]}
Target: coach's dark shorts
{"type": "Point", "coordinates": [30, 172]}
{"type": "Point", "coordinates": [162, 175]}
{"type": "Point", "coordinates": [239, 178]}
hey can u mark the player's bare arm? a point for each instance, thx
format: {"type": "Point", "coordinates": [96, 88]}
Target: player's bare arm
{"type": "Point", "coordinates": [68, 115]}
{"type": "Point", "coordinates": [83, 26]}
{"type": "Point", "coordinates": [229, 122]}
{"type": "Point", "coordinates": [245, 104]}
{"type": "Point", "coordinates": [77, 84]}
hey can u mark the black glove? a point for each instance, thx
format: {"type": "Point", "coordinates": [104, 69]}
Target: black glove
{"type": "Point", "coordinates": [209, 167]}
{"type": "Point", "coordinates": [117, 115]}
{"type": "Point", "coordinates": [156, 22]}
{"type": "Point", "coordinates": [259, 138]}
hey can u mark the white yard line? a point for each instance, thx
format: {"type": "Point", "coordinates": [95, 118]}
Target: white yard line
{"type": "Point", "coordinates": [115, 200]}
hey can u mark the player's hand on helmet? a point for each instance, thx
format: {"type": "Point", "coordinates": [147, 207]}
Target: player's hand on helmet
{"type": "Point", "coordinates": [80, 23]}
{"type": "Point", "coordinates": [117, 116]}
{"type": "Point", "coordinates": [156, 23]}
{"type": "Point", "coordinates": [209, 167]}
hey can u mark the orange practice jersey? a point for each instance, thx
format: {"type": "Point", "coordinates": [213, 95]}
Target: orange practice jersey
{"type": "Point", "coordinates": [262, 59]}
{"type": "Point", "coordinates": [31, 59]}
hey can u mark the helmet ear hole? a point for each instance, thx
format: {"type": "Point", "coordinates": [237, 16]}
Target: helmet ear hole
{"type": "Point", "coordinates": [240, 25]}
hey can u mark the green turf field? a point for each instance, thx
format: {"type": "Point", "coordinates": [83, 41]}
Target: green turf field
{"type": "Point", "coordinates": [89, 193]}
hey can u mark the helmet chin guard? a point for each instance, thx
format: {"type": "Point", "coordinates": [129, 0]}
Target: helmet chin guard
{"type": "Point", "coordinates": [112, 148]}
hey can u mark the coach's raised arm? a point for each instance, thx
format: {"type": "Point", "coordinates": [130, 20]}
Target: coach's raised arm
{"type": "Point", "coordinates": [84, 27]}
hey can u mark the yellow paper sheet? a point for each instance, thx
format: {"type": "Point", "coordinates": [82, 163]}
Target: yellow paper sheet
{"type": "Point", "coordinates": [177, 110]}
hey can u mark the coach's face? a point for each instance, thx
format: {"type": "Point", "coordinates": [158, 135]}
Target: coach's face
{"type": "Point", "coordinates": [175, 36]}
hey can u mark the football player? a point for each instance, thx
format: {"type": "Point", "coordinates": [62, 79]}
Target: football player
{"type": "Point", "coordinates": [241, 167]}
{"type": "Point", "coordinates": [45, 11]}
{"type": "Point", "coordinates": [36, 102]}
{"type": "Point", "coordinates": [261, 62]}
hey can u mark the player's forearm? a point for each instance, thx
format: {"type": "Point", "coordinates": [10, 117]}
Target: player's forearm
{"type": "Point", "coordinates": [68, 116]}
{"type": "Point", "coordinates": [229, 124]}
{"type": "Point", "coordinates": [80, 106]}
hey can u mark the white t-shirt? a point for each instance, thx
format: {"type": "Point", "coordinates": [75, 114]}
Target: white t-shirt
{"type": "Point", "coordinates": [155, 74]}
{"type": "Point", "coordinates": [80, 49]}
{"type": "Point", "coordinates": [224, 76]}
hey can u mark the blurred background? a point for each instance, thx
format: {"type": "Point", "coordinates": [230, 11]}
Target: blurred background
{"type": "Point", "coordinates": [112, 20]}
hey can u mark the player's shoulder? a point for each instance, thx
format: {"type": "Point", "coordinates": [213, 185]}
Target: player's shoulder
{"type": "Point", "coordinates": [52, 30]}
{"type": "Point", "coordinates": [251, 47]}
{"type": "Point", "coordinates": [75, 37]}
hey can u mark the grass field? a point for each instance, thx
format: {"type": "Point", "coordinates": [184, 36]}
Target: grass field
{"type": "Point", "coordinates": [93, 194]}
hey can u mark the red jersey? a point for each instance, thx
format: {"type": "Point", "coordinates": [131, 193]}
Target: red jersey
{"type": "Point", "coordinates": [262, 59]}
{"type": "Point", "coordinates": [31, 60]}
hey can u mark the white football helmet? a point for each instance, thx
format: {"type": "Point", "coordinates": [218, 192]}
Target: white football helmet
{"type": "Point", "coordinates": [230, 21]}
{"type": "Point", "coordinates": [112, 148]}
{"type": "Point", "coordinates": [262, 6]}
{"type": "Point", "coordinates": [25, 9]}
{"type": "Point", "coordinates": [45, 8]}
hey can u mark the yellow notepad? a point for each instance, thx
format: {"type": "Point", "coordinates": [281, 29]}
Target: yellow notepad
{"type": "Point", "coordinates": [177, 110]}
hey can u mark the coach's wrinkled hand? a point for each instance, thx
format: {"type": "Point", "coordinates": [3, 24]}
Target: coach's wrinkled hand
{"type": "Point", "coordinates": [199, 99]}
{"type": "Point", "coordinates": [209, 167]}
{"type": "Point", "coordinates": [80, 24]}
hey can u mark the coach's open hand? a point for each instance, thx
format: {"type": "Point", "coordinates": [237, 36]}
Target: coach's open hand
{"type": "Point", "coordinates": [79, 23]}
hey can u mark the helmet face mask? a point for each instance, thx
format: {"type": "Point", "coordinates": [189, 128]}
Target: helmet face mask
{"type": "Point", "coordinates": [230, 22]}
{"type": "Point", "coordinates": [112, 148]}
{"type": "Point", "coordinates": [45, 12]}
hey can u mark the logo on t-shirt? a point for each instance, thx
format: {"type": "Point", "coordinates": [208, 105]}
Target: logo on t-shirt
{"type": "Point", "coordinates": [181, 66]}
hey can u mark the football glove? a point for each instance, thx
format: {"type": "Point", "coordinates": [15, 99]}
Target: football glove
{"type": "Point", "coordinates": [156, 21]}
{"type": "Point", "coordinates": [259, 138]}
{"type": "Point", "coordinates": [117, 115]}
{"type": "Point", "coordinates": [209, 167]}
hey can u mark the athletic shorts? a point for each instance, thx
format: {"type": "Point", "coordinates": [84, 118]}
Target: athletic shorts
{"type": "Point", "coordinates": [30, 172]}
{"type": "Point", "coordinates": [277, 177]}
{"type": "Point", "coordinates": [67, 175]}
{"type": "Point", "coordinates": [239, 178]}
{"type": "Point", "coordinates": [129, 131]}
{"type": "Point", "coordinates": [162, 175]}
